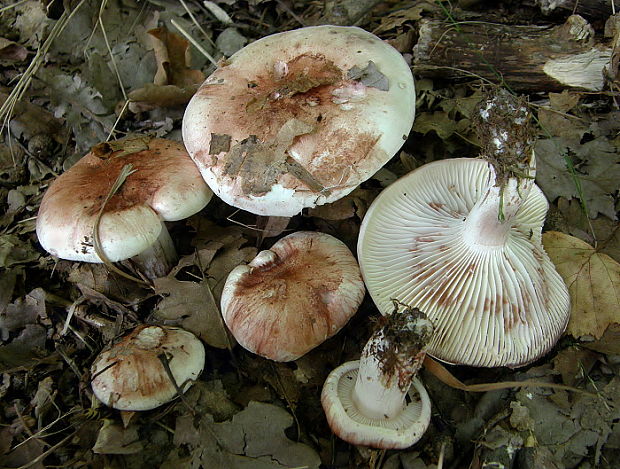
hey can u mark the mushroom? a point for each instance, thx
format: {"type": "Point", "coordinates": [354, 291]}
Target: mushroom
{"type": "Point", "coordinates": [137, 372]}
{"type": "Point", "coordinates": [300, 118]}
{"type": "Point", "coordinates": [461, 240]}
{"type": "Point", "coordinates": [365, 401]}
{"type": "Point", "coordinates": [293, 297]}
{"type": "Point", "coordinates": [165, 185]}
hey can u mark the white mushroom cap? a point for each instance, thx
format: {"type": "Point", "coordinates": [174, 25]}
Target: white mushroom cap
{"type": "Point", "coordinates": [292, 297]}
{"type": "Point", "coordinates": [490, 290]}
{"type": "Point", "coordinates": [300, 118]}
{"type": "Point", "coordinates": [351, 425]}
{"type": "Point", "coordinates": [166, 185]}
{"type": "Point", "coordinates": [131, 376]}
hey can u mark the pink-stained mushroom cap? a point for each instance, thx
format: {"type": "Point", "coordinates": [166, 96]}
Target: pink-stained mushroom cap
{"type": "Point", "coordinates": [165, 186]}
{"type": "Point", "coordinates": [292, 297]}
{"type": "Point", "coordinates": [130, 375]}
{"type": "Point", "coordinates": [300, 118]}
{"type": "Point", "coordinates": [434, 240]}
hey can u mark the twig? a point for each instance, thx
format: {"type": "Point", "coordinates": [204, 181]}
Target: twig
{"type": "Point", "coordinates": [197, 24]}
{"type": "Point", "coordinates": [8, 107]}
{"type": "Point", "coordinates": [448, 378]}
{"type": "Point", "coordinates": [187, 36]}
{"type": "Point", "coordinates": [163, 358]}
{"type": "Point", "coordinates": [125, 172]}
{"type": "Point", "coordinates": [13, 5]}
{"type": "Point", "coordinates": [120, 115]}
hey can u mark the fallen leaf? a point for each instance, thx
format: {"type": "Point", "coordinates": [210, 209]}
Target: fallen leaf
{"type": "Point", "coordinates": [10, 50]}
{"type": "Point", "coordinates": [252, 438]}
{"type": "Point", "coordinates": [172, 56]}
{"type": "Point", "coordinates": [152, 96]}
{"type": "Point", "coordinates": [437, 121]}
{"type": "Point", "coordinates": [577, 223]}
{"type": "Point", "coordinates": [573, 364]}
{"type": "Point", "coordinates": [114, 439]}
{"type": "Point", "coordinates": [564, 101]}
{"type": "Point", "coordinates": [230, 41]}
{"type": "Point", "coordinates": [401, 16]}
{"type": "Point", "coordinates": [597, 166]}
{"type": "Point", "coordinates": [192, 306]}
{"type": "Point", "coordinates": [593, 281]}
{"type": "Point", "coordinates": [29, 120]}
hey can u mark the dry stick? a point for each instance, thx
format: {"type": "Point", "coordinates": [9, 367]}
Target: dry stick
{"type": "Point", "coordinates": [448, 378]}
{"type": "Point", "coordinates": [187, 36]}
{"type": "Point", "coordinates": [8, 107]}
{"type": "Point", "coordinates": [191, 15]}
{"type": "Point", "coordinates": [107, 43]}
{"type": "Point", "coordinates": [286, 398]}
{"type": "Point", "coordinates": [44, 455]}
{"type": "Point", "coordinates": [13, 5]}
{"type": "Point", "coordinates": [165, 361]}
{"type": "Point", "coordinates": [125, 172]}
{"type": "Point", "coordinates": [229, 343]}
{"type": "Point", "coordinates": [118, 119]}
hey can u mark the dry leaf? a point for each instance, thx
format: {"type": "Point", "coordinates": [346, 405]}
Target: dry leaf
{"type": "Point", "coordinates": [152, 96]}
{"type": "Point", "coordinates": [593, 281]}
{"type": "Point", "coordinates": [193, 306]}
{"type": "Point", "coordinates": [174, 83]}
{"type": "Point", "coordinates": [10, 50]}
{"type": "Point", "coordinates": [172, 56]}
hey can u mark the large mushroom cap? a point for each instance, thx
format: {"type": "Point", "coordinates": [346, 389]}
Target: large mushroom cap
{"type": "Point", "coordinates": [131, 375]}
{"type": "Point", "coordinates": [166, 185]}
{"type": "Point", "coordinates": [300, 118]}
{"type": "Point", "coordinates": [493, 302]}
{"type": "Point", "coordinates": [292, 297]}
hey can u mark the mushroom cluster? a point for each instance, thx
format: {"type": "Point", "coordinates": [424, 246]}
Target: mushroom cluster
{"type": "Point", "coordinates": [461, 240]}
{"type": "Point", "coordinates": [300, 118]}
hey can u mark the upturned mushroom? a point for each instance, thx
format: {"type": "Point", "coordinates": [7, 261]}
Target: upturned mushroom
{"type": "Point", "coordinates": [300, 118]}
{"type": "Point", "coordinates": [292, 297]}
{"type": "Point", "coordinates": [147, 368]}
{"type": "Point", "coordinates": [163, 185]}
{"type": "Point", "coordinates": [365, 401]}
{"type": "Point", "coordinates": [461, 240]}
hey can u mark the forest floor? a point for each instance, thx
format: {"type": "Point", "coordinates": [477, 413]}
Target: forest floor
{"type": "Point", "coordinates": [77, 73]}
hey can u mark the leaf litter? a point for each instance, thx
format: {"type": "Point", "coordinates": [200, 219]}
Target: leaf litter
{"type": "Point", "coordinates": [56, 315]}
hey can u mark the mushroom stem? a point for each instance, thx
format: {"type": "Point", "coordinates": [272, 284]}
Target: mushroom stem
{"type": "Point", "coordinates": [490, 220]}
{"type": "Point", "coordinates": [389, 362]}
{"type": "Point", "coordinates": [364, 400]}
{"type": "Point", "coordinates": [159, 258]}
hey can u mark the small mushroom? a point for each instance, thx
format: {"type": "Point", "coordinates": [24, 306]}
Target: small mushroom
{"type": "Point", "coordinates": [365, 401]}
{"type": "Point", "coordinates": [461, 240]}
{"type": "Point", "coordinates": [165, 185]}
{"type": "Point", "coordinates": [293, 297]}
{"type": "Point", "coordinates": [300, 118]}
{"type": "Point", "coordinates": [136, 373]}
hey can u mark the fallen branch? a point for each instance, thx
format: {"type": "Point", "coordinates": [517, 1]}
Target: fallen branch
{"type": "Point", "coordinates": [523, 58]}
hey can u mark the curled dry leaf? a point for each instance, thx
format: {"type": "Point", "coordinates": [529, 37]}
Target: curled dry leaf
{"type": "Point", "coordinates": [174, 82]}
{"type": "Point", "coordinates": [172, 55]}
{"type": "Point", "coordinates": [10, 50]}
{"type": "Point", "coordinates": [593, 281]}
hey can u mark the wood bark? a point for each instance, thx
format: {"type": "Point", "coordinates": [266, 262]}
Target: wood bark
{"type": "Point", "coordinates": [591, 9]}
{"type": "Point", "coordinates": [525, 58]}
